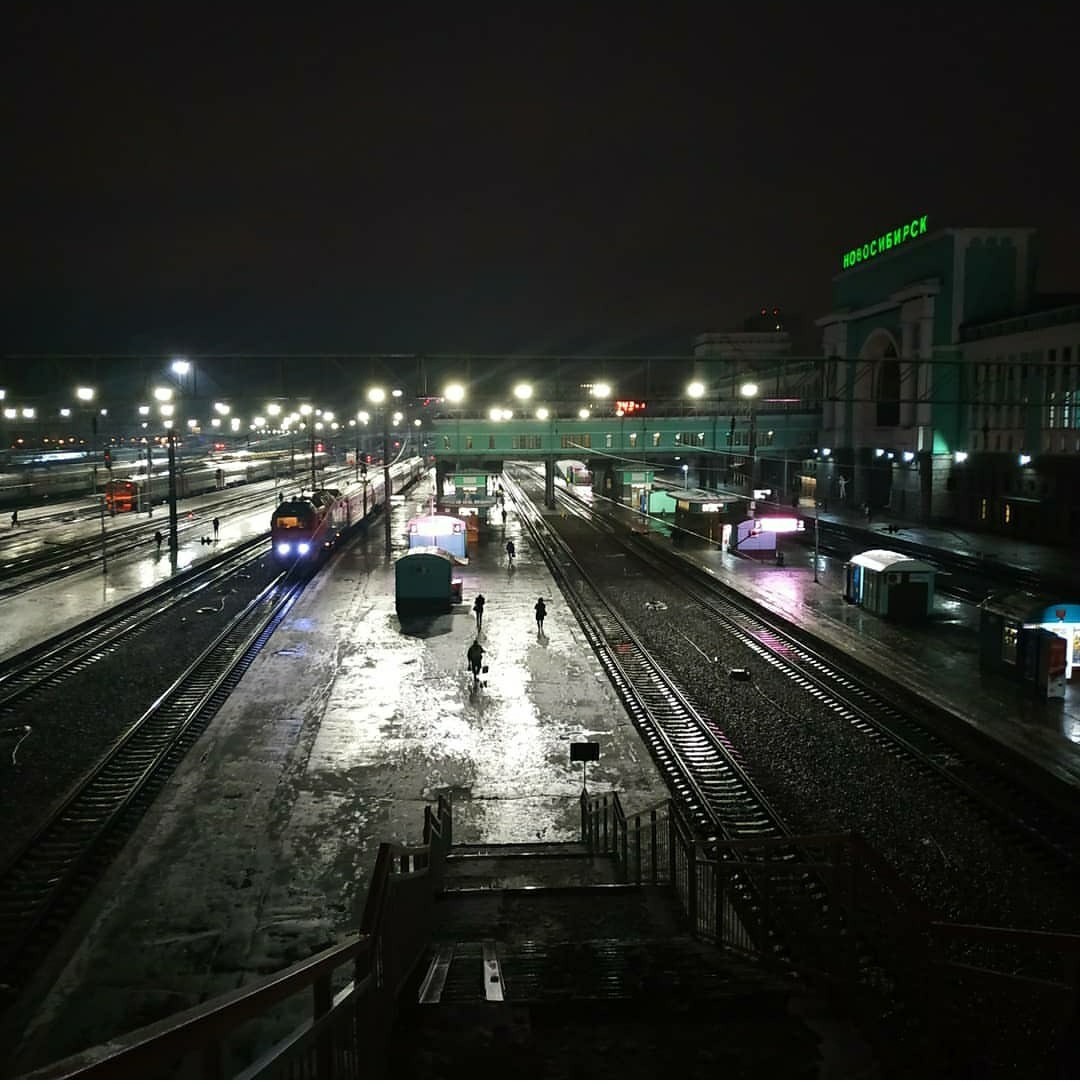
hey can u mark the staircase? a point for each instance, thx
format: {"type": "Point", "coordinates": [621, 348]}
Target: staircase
{"type": "Point", "coordinates": [638, 953]}
{"type": "Point", "coordinates": [544, 964]}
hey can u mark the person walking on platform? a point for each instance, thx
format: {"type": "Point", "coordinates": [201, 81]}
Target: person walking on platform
{"type": "Point", "coordinates": [478, 607]}
{"type": "Point", "coordinates": [158, 539]}
{"type": "Point", "coordinates": [217, 524]}
{"type": "Point", "coordinates": [15, 518]}
{"type": "Point", "coordinates": [504, 517]}
{"type": "Point", "coordinates": [541, 614]}
{"type": "Point", "coordinates": [511, 552]}
{"type": "Point", "coordinates": [475, 656]}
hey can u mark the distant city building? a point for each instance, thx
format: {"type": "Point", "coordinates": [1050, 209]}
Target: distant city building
{"type": "Point", "coordinates": [950, 387]}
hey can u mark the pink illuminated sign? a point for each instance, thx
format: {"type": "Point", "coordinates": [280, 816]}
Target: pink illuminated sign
{"type": "Point", "coordinates": [779, 524]}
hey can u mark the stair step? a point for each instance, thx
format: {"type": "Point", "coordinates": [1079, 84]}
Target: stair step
{"type": "Point", "coordinates": [556, 915]}
{"type": "Point", "coordinates": [680, 970]}
{"type": "Point", "coordinates": [511, 869]}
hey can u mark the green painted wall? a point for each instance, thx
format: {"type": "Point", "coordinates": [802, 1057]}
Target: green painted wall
{"type": "Point", "coordinates": [990, 275]}
{"type": "Point", "coordinates": [872, 282]}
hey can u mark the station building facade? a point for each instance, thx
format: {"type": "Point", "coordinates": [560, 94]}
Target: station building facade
{"type": "Point", "coordinates": [950, 388]}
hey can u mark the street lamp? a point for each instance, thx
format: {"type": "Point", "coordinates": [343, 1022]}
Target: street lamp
{"type": "Point", "coordinates": [86, 396]}
{"type": "Point", "coordinates": [377, 397]}
{"type": "Point", "coordinates": [749, 392]}
{"type": "Point", "coordinates": [181, 367]}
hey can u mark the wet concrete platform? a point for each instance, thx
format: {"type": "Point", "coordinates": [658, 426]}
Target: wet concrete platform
{"type": "Point", "coordinates": [259, 850]}
{"type": "Point", "coordinates": [937, 659]}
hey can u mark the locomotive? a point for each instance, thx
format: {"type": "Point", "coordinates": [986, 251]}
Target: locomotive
{"type": "Point", "coordinates": [305, 527]}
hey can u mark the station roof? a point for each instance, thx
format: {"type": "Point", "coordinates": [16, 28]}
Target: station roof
{"type": "Point", "coordinates": [881, 561]}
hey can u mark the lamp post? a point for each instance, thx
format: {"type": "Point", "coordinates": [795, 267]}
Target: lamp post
{"type": "Point", "coordinates": [86, 396]}
{"type": "Point", "coordinates": [749, 392]}
{"type": "Point", "coordinates": [377, 397]}
{"type": "Point", "coordinates": [166, 407]}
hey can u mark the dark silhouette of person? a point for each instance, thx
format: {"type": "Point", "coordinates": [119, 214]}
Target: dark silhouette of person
{"type": "Point", "coordinates": [15, 518]}
{"type": "Point", "coordinates": [475, 656]}
{"type": "Point", "coordinates": [158, 539]}
{"type": "Point", "coordinates": [217, 524]}
{"type": "Point", "coordinates": [541, 614]}
{"type": "Point", "coordinates": [504, 517]}
{"type": "Point", "coordinates": [511, 551]}
{"type": "Point", "coordinates": [478, 607]}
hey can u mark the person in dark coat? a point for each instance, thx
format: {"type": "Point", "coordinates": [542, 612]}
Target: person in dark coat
{"type": "Point", "coordinates": [541, 614]}
{"type": "Point", "coordinates": [475, 656]}
{"type": "Point", "coordinates": [478, 607]}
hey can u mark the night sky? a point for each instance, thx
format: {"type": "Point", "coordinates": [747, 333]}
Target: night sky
{"type": "Point", "coordinates": [400, 177]}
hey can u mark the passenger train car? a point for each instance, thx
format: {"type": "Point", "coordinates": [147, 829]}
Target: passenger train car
{"type": "Point", "coordinates": [573, 472]}
{"type": "Point", "coordinates": [304, 527]}
{"type": "Point", "coordinates": [131, 493]}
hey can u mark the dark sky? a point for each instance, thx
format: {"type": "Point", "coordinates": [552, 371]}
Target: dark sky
{"type": "Point", "coordinates": [535, 178]}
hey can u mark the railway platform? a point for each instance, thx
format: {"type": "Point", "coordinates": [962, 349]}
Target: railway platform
{"type": "Point", "coordinates": [259, 850]}
{"type": "Point", "coordinates": [937, 659]}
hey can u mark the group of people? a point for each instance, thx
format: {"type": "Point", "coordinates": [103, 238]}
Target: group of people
{"type": "Point", "coordinates": [475, 654]}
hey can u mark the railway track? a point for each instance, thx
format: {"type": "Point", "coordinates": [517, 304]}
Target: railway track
{"type": "Point", "coordinates": [703, 770]}
{"type": "Point", "coordinates": [51, 875]}
{"type": "Point", "coordinates": [882, 710]}
{"type": "Point", "coordinates": [52, 660]}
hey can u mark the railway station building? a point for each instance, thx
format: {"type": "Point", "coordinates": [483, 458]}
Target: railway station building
{"type": "Point", "coordinates": [950, 387]}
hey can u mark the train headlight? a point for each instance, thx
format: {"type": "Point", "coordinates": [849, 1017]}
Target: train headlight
{"type": "Point", "coordinates": [282, 548]}
{"type": "Point", "coordinates": [303, 548]}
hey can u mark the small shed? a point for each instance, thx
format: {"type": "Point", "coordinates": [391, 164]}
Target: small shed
{"type": "Point", "coordinates": [424, 581]}
{"type": "Point", "coordinates": [1010, 624]}
{"type": "Point", "coordinates": [703, 516]}
{"type": "Point", "coordinates": [889, 584]}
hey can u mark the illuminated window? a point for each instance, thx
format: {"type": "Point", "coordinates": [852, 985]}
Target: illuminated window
{"type": "Point", "coordinates": [1010, 638]}
{"type": "Point", "coordinates": [1008, 512]}
{"type": "Point", "coordinates": [468, 442]}
{"type": "Point", "coordinates": [656, 440]}
{"type": "Point", "coordinates": [633, 440]}
{"type": "Point", "coordinates": [446, 444]}
{"type": "Point", "coordinates": [983, 509]}
{"type": "Point", "coordinates": [609, 439]}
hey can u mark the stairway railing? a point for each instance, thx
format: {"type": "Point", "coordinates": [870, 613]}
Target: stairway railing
{"type": "Point", "coordinates": [346, 1032]}
{"type": "Point", "coordinates": [943, 969]}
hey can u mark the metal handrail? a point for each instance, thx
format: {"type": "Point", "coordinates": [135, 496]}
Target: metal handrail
{"type": "Point", "coordinates": [878, 906]}
{"type": "Point", "coordinates": [347, 1033]}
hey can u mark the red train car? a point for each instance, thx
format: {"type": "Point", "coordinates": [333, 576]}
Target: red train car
{"type": "Point", "coordinates": [304, 528]}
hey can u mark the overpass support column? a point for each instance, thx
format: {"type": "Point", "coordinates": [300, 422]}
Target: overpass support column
{"type": "Point", "coordinates": [549, 482]}
{"type": "Point", "coordinates": [440, 480]}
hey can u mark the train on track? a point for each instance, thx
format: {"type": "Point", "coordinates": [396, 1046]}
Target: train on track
{"type": "Point", "coordinates": [573, 472]}
{"type": "Point", "coordinates": [305, 527]}
{"type": "Point", "coordinates": [130, 493]}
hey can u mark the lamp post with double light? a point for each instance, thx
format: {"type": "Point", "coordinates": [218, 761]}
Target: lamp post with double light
{"type": "Point", "coordinates": [167, 409]}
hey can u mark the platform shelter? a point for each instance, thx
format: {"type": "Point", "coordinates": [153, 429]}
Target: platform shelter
{"type": "Point", "coordinates": [889, 584]}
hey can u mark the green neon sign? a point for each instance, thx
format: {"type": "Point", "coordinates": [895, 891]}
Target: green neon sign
{"type": "Point", "coordinates": [884, 242]}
